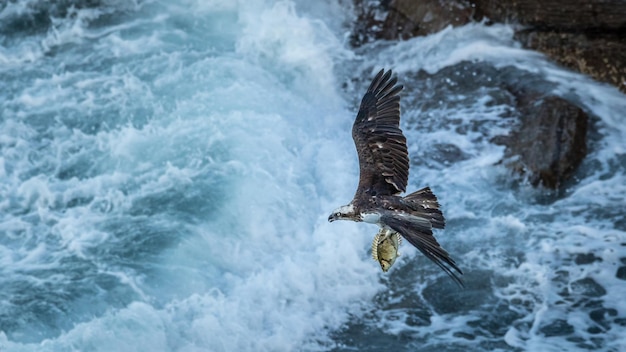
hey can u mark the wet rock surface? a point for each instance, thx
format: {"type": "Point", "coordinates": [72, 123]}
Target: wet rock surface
{"type": "Point", "coordinates": [621, 273]}
{"type": "Point", "coordinates": [587, 287]}
{"type": "Point", "coordinates": [549, 144]}
{"type": "Point", "coordinates": [585, 36]}
{"type": "Point", "coordinates": [586, 258]}
{"type": "Point", "coordinates": [557, 328]}
{"type": "Point", "coordinates": [403, 19]}
{"type": "Point", "coordinates": [602, 57]}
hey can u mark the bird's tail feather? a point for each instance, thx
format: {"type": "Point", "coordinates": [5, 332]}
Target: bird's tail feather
{"type": "Point", "coordinates": [425, 205]}
{"type": "Point", "coordinates": [417, 233]}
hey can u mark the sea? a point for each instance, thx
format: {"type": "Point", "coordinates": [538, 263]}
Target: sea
{"type": "Point", "coordinates": [167, 169]}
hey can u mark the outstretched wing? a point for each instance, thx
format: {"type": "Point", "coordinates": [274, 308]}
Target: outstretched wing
{"type": "Point", "coordinates": [418, 232]}
{"type": "Point", "coordinates": [383, 155]}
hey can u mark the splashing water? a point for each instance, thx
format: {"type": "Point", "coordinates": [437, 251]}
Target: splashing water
{"type": "Point", "coordinates": [167, 169]}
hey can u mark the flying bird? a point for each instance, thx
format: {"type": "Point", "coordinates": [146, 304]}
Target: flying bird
{"type": "Point", "coordinates": [384, 173]}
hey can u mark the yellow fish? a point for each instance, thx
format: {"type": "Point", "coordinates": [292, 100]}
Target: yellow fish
{"type": "Point", "coordinates": [385, 248]}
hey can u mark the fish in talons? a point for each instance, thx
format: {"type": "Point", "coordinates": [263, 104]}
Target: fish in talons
{"type": "Point", "coordinates": [385, 248]}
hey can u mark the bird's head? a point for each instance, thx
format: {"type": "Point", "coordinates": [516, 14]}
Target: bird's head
{"type": "Point", "coordinates": [345, 212]}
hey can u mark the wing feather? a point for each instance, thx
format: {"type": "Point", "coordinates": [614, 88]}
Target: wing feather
{"type": "Point", "coordinates": [419, 234]}
{"type": "Point", "coordinates": [383, 154]}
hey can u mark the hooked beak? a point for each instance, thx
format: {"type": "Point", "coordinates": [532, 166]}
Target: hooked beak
{"type": "Point", "coordinates": [331, 218]}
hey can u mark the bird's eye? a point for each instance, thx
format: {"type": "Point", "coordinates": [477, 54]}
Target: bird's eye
{"type": "Point", "coordinates": [337, 214]}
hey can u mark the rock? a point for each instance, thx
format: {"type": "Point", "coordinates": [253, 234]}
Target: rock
{"type": "Point", "coordinates": [558, 327]}
{"type": "Point", "coordinates": [603, 58]}
{"type": "Point", "coordinates": [403, 19]}
{"type": "Point", "coordinates": [567, 15]}
{"type": "Point", "coordinates": [602, 315]}
{"type": "Point", "coordinates": [621, 273]}
{"type": "Point", "coordinates": [588, 36]}
{"type": "Point", "coordinates": [588, 287]}
{"type": "Point", "coordinates": [549, 144]}
{"type": "Point", "coordinates": [369, 23]}
{"type": "Point", "coordinates": [412, 18]}
{"type": "Point", "coordinates": [586, 258]}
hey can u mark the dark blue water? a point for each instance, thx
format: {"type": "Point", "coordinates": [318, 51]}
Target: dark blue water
{"type": "Point", "coordinates": [167, 169]}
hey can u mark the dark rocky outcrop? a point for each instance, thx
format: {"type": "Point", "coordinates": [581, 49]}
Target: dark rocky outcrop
{"type": "Point", "coordinates": [403, 19]}
{"type": "Point", "coordinates": [556, 14]}
{"type": "Point", "coordinates": [588, 36]}
{"type": "Point", "coordinates": [549, 144]}
{"type": "Point", "coordinates": [602, 57]}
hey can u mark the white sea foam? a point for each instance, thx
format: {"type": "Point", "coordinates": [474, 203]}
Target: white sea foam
{"type": "Point", "coordinates": [260, 269]}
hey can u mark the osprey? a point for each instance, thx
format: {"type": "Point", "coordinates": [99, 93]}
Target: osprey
{"type": "Point", "coordinates": [384, 172]}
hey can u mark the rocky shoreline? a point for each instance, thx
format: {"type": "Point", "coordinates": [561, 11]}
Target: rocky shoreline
{"type": "Point", "coordinates": [589, 37]}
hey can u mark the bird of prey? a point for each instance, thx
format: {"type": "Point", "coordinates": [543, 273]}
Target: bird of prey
{"type": "Point", "coordinates": [384, 172]}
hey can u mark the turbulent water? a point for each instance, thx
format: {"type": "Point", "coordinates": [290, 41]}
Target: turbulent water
{"type": "Point", "coordinates": [167, 169]}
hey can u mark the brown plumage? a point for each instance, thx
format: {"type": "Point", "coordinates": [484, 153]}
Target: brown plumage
{"type": "Point", "coordinates": [384, 173]}
{"type": "Point", "coordinates": [383, 155]}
